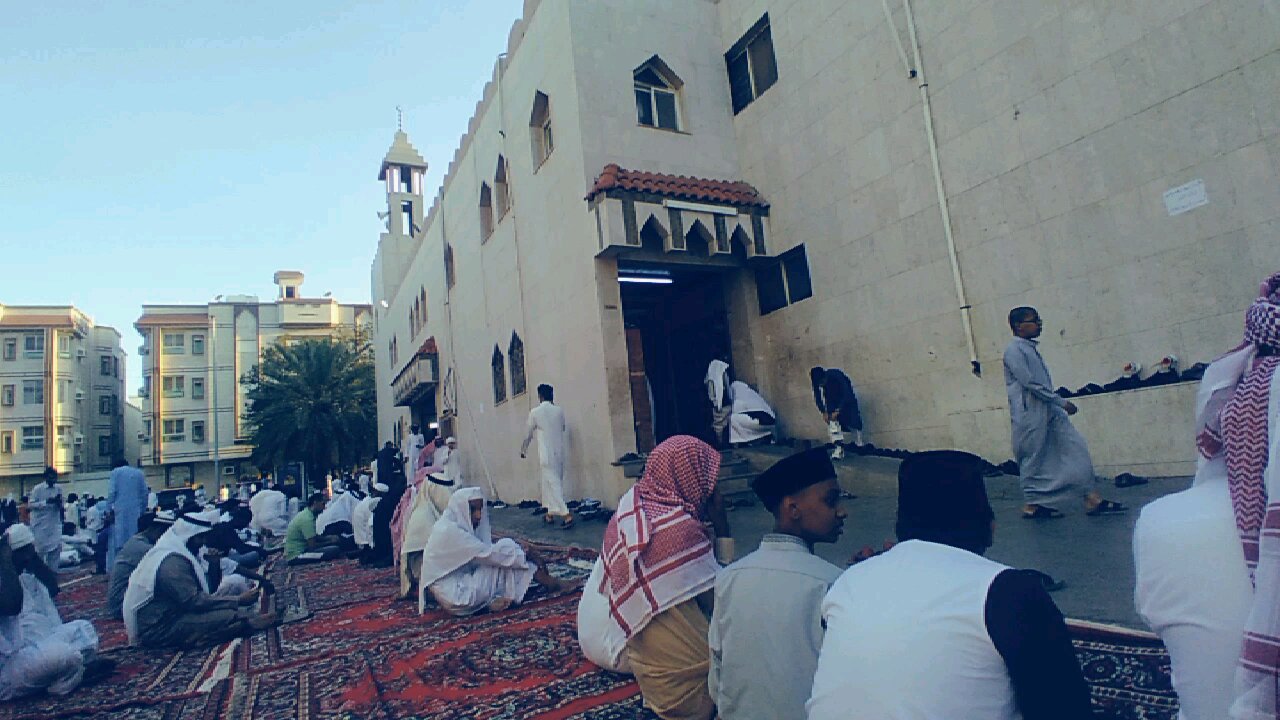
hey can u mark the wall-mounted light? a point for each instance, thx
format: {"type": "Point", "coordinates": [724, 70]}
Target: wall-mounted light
{"type": "Point", "coordinates": [647, 280]}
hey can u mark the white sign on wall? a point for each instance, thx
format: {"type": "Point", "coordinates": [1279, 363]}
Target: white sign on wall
{"type": "Point", "coordinates": [1185, 197]}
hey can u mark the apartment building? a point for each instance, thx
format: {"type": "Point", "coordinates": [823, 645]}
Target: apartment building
{"type": "Point", "coordinates": [61, 393]}
{"type": "Point", "coordinates": [646, 184]}
{"type": "Point", "coordinates": [194, 361]}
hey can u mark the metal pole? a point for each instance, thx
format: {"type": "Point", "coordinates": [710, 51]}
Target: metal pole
{"type": "Point", "coordinates": [213, 386]}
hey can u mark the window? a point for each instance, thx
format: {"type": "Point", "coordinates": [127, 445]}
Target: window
{"type": "Point", "coordinates": [197, 344]}
{"type": "Point", "coordinates": [197, 431]}
{"type": "Point", "coordinates": [175, 344]}
{"type": "Point", "coordinates": [540, 129]}
{"type": "Point", "coordinates": [785, 281]}
{"type": "Point", "coordinates": [515, 351]}
{"type": "Point", "coordinates": [104, 365]}
{"type": "Point", "coordinates": [406, 179]}
{"type": "Point", "coordinates": [406, 218]}
{"type": "Point", "coordinates": [486, 211]}
{"type": "Point", "coordinates": [146, 428]}
{"type": "Point", "coordinates": [115, 366]}
{"type": "Point", "coordinates": [449, 274]}
{"type": "Point", "coordinates": [422, 307]}
{"type": "Point", "coordinates": [33, 392]}
{"type": "Point", "coordinates": [413, 320]}
{"type": "Point", "coordinates": [175, 430]}
{"type": "Point", "coordinates": [33, 437]}
{"type": "Point", "coordinates": [174, 386]}
{"type": "Point", "coordinates": [64, 435]}
{"type": "Point", "coordinates": [656, 88]}
{"type": "Point", "coordinates": [197, 388]}
{"type": "Point", "coordinates": [753, 69]}
{"type": "Point", "coordinates": [499, 377]}
{"type": "Point", "coordinates": [33, 346]}
{"type": "Point", "coordinates": [7, 394]}
{"type": "Point", "coordinates": [6, 442]}
{"type": "Point", "coordinates": [11, 348]}
{"type": "Point", "coordinates": [290, 292]}
{"type": "Point", "coordinates": [104, 446]}
{"type": "Point", "coordinates": [64, 345]}
{"type": "Point", "coordinates": [146, 387]}
{"type": "Point", "coordinates": [502, 193]}
{"type": "Point", "coordinates": [104, 405]}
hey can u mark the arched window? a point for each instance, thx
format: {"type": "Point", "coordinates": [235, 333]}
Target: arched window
{"type": "Point", "coordinates": [502, 193]}
{"type": "Point", "coordinates": [657, 95]}
{"type": "Point", "coordinates": [499, 377]}
{"type": "Point", "coordinates": [413, 320]}
{"type": "Point", "coordinates": [515, 353]}
{"type": "Point", "coordinates": [540, 129]}
{"type": "Point", "coordinates": [422, 307]}
{"type": "Point", "coordinates": [486, 211]}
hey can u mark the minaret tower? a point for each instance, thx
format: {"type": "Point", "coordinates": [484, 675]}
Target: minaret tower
{"type": "Point", "coordinates": [402, 170]}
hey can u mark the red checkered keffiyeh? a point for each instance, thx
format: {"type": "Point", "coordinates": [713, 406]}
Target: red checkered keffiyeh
{"type": "Point", "coordinates": [1237, 425]}
{"type": "Point", "coordinates": [657, 552]}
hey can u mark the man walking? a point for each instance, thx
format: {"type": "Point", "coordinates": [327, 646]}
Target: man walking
{"type": "Point", "coordinates": [46, 519]}
{"type": "Point", "coordinates": [1052, 456]}
{"type": "Point", "coordinates": [547, 422]}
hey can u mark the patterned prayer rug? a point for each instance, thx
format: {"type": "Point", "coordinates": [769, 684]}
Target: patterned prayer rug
{"type": "Point", "coordinates": [357, 652]}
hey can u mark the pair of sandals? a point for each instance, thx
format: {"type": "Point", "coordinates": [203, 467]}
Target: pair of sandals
{"type": "Point", "coordinates": [551, 519]}
{"type": "Point", "coordinates": [1105, 507]}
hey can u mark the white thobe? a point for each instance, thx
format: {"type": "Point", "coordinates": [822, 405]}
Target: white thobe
{"type": "Point", "coordinates": [270, 512]}
{"type": "Point", "coordinates": [1193, 590]}
{"type": "Point", "coordinates": [453, 466]}
{"type": "Point", "coordinates": [546, 421]}
{"type": "Point", "coordinates": [362, 521]}
{"type": "Point", "coordinates": [40, 652]}
{"type": "Point", "coordinates": [501, 572]}
{"type": "Point", "coordinates": [416, 445]}
{"type": "Point", "coordinates": [46, 522]}
{"type": "Point", "coordinates": [743, 427]}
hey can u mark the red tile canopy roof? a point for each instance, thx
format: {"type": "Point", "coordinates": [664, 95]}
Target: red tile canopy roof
{"type": "Point", "coordinates": [724, 192]}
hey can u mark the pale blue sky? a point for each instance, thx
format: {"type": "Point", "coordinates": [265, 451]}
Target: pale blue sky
{"type": "Point", "coordinates": [158, 152]}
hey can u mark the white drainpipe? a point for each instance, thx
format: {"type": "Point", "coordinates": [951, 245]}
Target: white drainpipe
{"type": "Point", "coordinates": [918, 74]}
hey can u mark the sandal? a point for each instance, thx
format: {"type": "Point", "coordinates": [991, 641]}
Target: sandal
{"type": "Point", "coordinates": [567, 523]}
{"type": "Point", "coordinates": [1107, 507]}
{"type": "Point", "coordinates": [1124, 480]}
{"type": "Point", "coordinates": [1042, 513]}
{"type": "Point", "coordinates": [549, 518]}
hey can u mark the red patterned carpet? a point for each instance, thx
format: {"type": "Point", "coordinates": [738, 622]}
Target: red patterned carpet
{"type": "Point", "coordinates": [363, 655]}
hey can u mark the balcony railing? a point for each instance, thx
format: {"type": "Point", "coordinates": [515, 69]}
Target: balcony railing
{"type": "Point", "coordinates": [418, 378]}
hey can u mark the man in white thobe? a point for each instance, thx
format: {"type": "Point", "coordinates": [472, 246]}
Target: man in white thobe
{"type": "Point", "coordinates": [416, 443]}
{"type": "Point", "coordinates": [752, 418]}
{"type": "Point", "coordinates": [1053, 458]}
{"type": "Point", "coordinates": [720, 394]}
{"type": "Point", "coordinates": [46, 519]}
{"type": "Point", "coordinates": [546, 421]}
{"type": "Point", "coordinates": [270, 510]}
{"type": "Point", "coordinates": [452, 463]}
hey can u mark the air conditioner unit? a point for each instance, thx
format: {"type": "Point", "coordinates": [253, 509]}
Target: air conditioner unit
{"type": "Point", "coordinates": [81, 352]}
{"type": "Point", "coordinates": [143, 438]}
{"type": "Point", "coordinates": [79, 395]}
{"type": "Point", "coordinates": [143, 393]}
{"type": "Point", "coordinates": [142, 350]}
{"type": "Point", "coordinates": [228, 470]}
{"type": "Point", "coordinates": [79, 439]}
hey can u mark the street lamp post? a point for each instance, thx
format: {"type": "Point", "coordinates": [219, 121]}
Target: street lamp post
{"type": "Point", "coordinates": [213, 386]}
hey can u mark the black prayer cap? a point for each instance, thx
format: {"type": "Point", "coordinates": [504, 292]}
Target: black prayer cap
{"type": "Point", "coordinates": [942, 497]}
{"type": "Point", "coordinates": [791, 475]}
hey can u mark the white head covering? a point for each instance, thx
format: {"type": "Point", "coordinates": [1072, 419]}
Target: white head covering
{"type": "Point", "coordinates": [716, 378]}
{"type": "Point", "coordinates": [339, 509]}
{"type": "Point", "coordinates": [19, 536]}
{"type": "Point", "coordinates": [142, 583]}
{"type": "Point", "coordinates": [450, 439]}
{"type": "Point", "coordinates": [453, 542]}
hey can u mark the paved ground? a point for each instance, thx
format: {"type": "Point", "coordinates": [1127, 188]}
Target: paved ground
{"type": "Point", "coordinates": [1093, 555]}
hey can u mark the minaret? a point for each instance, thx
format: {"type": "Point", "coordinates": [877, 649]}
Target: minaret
{"type": "Point", "coordinates": [402, 170]}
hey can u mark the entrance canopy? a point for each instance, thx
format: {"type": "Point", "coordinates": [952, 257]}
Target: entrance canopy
{"type": "Point", "coordinates": [644, 213]}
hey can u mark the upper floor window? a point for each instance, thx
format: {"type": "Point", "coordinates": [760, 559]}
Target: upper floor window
{"type": "Point", "coordinates": [33, 345]}
{"type": "Point", "coordinates": [175, 430]}
{"type": "Point", "coordinates": [406, 219]}
{"type": "Point", "coordinates": [104, 446]}
{"type": "Point", "coordinates": [501, 191]}
{"type": "Point", "coordinates": [197, 344]}
{"type": "Point", "coordinates": [784, 281]}
{"type": "Point", "coordinates": [33, 392]}
{"type": "Point", "coordinates": [290, 292]}
{"type": "Point", "coordinates": [499, 367]}
{"type": "Point", "coordinates": [515, 352]}
{"type": "Point", "coordinates": [657, 90]}
{"type": "Point", "coordinates": [752, 66]}
{"type": "Point", "coordinates": [11, 348]}
{"type": "Point", "coordinates": [422, 307]}
{"type": "Point", "coordinates": [7, 394]}
{"type": "Point", "coordinates": [174, 386]}
{"type": "Point", "coordinates": [197, 388]}
{"type": "Point", "coordinates": [540, 129]}
{"type": "Point", "coordinates": [449, 273]}
{"type": "Point", "coordinates": [176, 343]}
{"type": "Point", "coordinates": [6, 442]}
{"type": "Point", "coordinates": [406, 179]}
{"type": "Point", "coordinates": [64, 345]}
{"type": "Point", "coordinates": [104, 365]}
{"type": "Point", "coordinates": [33, 437]}
{"type": "Point", "coordinates": [486, 211]}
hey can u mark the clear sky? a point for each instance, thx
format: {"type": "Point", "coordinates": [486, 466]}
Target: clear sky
{"type": "Point", "coordinates": [155, 152]}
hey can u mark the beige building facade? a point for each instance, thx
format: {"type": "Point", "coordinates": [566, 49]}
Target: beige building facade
{"type": "Point", "coordinates": [647, 184]}
{"type": "Point", "coordinates": [62, 393]}
{"type": "Point", "coordinates": [193, 400]}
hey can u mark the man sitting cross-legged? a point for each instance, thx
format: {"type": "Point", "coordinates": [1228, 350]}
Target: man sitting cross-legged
{"type": "Point", "coordinates": [169, 603]}
{"type": "Point", "coordinates": [767, 620]}
{"type": "Point", "coordinates": [301, 542]}
{"type": "Point", "coordinates": [152, 526]}
{"type": "Point", "coordinates": [466, 571]}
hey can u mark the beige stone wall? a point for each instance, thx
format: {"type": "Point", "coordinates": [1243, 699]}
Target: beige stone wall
{"type": "Point", "coordinates": [1060, 125]}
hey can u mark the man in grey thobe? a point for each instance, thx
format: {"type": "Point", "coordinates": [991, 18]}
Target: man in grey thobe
{"type": "Point", "coordinates": [1053, 459]}
{"type": "Point", "coordinates": [46, 519]}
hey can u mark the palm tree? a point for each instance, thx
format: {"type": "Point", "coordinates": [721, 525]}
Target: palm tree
{"type": "Point", "coordinates": [313, 400]}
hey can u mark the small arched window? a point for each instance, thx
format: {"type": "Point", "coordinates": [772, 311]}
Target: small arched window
{"type": "Point", "coordinates": [486, 211]}
{"type": "Point", "coordinates": [450, 276]}
{"type": "Point", "coordinates": [413, 320]}
{"type": "Point", "coordinates": [499, 376]}
{"type": "Point", "coordinates": [540, 129]}
{"type": "Point", "coordinates": [515, 353]}
{"type": "Point", "coordinates": [501, 191]}
{"type": "Point", "coordinates": [657, 95]}
{"type": "Point", "coordinates": [422, 307]}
